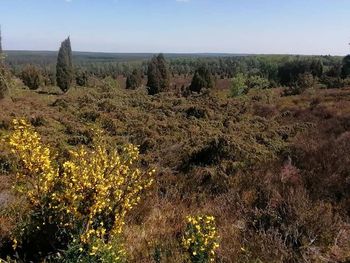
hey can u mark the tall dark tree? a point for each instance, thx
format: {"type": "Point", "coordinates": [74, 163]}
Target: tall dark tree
{"type": "Point", "coordinates": [0, 42]}
{"type": "Point", "coordinates": [316, 68]}
{"type": "Point", "coordinates": [64, 68]}
{"type": "Point", "coordinates": [202, 79]}
{"type": "Point", "coordinates": [2, 57]}
{"type": "Point", "coordinates": [158, 75]}
{"type": "Point", "coordinates": [4, 74]}
{"type": "Point", "coordinates": [134, 80]}
{"type": "Point", "coordinates": [345, 71]}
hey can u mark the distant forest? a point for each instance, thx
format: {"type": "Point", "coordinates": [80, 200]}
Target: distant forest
{"type": "Point", "coordinates": [107, 64]}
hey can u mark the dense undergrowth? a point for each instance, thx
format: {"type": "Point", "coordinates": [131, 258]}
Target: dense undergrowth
{"type": "Point", "coordinates": [272, 170]}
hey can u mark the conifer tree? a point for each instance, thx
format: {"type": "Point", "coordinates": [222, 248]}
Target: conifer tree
{"type": "Point", "coordinates": [134, 80]}
{"type": "Point", "coordinates": [4, 74]}
{"type": "Point", "coordinates": [64, 68]}
{"type": "Point", "coordinates": [0, 43]}
{"type": "Point", "coordinates": [2, 56]}
{"type": "Point", "coordinates": [202, 79]}
{"type": "Point", "coordinates": [158, 75]}
{"type": "Point", "coordinates": [345, 71]}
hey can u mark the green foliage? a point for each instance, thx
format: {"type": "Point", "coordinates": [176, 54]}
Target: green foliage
{"type": "Point", "coordinates": [305, 81]}
{"type": "Point", "coordinates": [202, 79]}
{"type": "Point", "coordinates": [32, 77]}
{"type": "Point", "coordinates": [257, 82]}
{"type": "Point", "coordinates": [0, 44]}
{"type": "Point", "coordinates": [200, 239]}
{"type": "Point", "coordinates": [134, 80]}
{"type": "Point", "coordinates": [158, 75]}
{"type": "Point", "coordinates": [4, 81]}
{"type": "Point", "coordinates": [345, 71]}
{"type": "Point", "coordinates": [81, 78]}
{"type": "Point", "coordinates": [76, 253]}
{"type": "Point", "coordinates": [64, 67]}
{"type": "Point", "coordinates": [238, 85]}
{"type": "Point", "coordinates": [289, 72]}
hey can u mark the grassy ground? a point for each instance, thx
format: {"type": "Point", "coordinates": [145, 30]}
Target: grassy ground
{"type": "Point", "coordinates": [273, 170]}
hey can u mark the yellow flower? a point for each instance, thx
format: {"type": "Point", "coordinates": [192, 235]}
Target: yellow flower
{"type": "Point", "coordinates": [93, 182]}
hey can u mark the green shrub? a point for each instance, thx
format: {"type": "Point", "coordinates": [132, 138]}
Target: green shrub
{"type": "Point", "coordinates": [238, 85]}
{"type": "Point", "coordinates": [200, 239]}
{"type": "Point", "coordinates": [257, 82]}
{"type": "Point", "coordinates": [305, 81]}
{"type": "Point", "coordinates": [134, 80]}
{"type": "Point", "coordinates": [158, 75]}
{"type": "Point", "coordinates": [4, 81]}
{"type": "Point", "coordinates": [81, 78]}
{"type": "Point", "coordinates": [31, 77]}
{"type": "Point", "coordinates": [202, 79]}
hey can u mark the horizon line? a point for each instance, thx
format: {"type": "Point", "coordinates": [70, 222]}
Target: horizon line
{"type": "Point", "coordinates": [179, 53]}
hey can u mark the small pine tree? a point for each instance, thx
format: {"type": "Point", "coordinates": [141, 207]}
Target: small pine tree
{"type": "Point", "coordinates": [2, 56]}
{"type": "Point", "coordinates": [158, 75]}
{"type": "Point", "coordinates": [64, 68]}
{"type": "Point", "coordinates": [134, 80]}
{"type": "Point", "coordinates": [202, 79]}
{"type": "Point", "coordinates": [0, 43]}
{"type": "Point", "coordinates": [4, 81]}
{"type": "Point", "coordinates": [345, 71]}
{"type": "Point", "coordinates": [4, 74]}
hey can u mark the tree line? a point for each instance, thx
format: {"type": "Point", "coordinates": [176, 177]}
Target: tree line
{"type": "Point", "coordinates": [245, 72]}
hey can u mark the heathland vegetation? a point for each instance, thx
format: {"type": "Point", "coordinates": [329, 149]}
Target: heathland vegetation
{"type": "Point", "coordinates": [174, 158]}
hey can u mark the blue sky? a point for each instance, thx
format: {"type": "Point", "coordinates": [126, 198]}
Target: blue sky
{"type": "Point", "coordinates": [233, 26]}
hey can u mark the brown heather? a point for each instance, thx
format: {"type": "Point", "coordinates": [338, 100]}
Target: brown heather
{"type": "Point", "coordinates": [272, 170]}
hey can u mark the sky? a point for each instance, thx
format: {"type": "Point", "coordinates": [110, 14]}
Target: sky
{"type": "Point", "coordinates": [318, 27]}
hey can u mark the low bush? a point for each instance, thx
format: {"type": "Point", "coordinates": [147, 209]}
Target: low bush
{"type": "Point", "coordinates": [78, 207]}
{"type": "Point", "coordinates": [238, 85]}
{"type": "Point", "coordinates": [31, 77]}
{"type": "Point", "coordinates": [202, 79]}
{"type": "Point", "coordinates": [81, 78]}
{"type": "Point", "coordinates": [200, 239]}
{"type": "Point", "coordinates": [257, 82]}
{"type": "Point", "coordinates": [304, 81]}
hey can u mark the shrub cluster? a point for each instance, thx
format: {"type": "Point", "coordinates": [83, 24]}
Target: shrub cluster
{"type": "Point", "coordinates": [202, 79]}
{"type": "Point", "coordinates": [32, 77]}
{"type": "Point", "coordinates": [82, 204]}
{"type": "Point", "coordinates": [158, 75]}
{"type": "Point", "coordinates": [200, 238]}
{"type": "Point", "coordinates": [134, 80]}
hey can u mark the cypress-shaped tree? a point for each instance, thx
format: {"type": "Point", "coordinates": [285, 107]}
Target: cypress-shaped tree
{"type": "Point", "coordinates": [2, 56]}
{"type": "Point", "coordinates": [64, 68]}
{"type": "Point", "coordinates": [202, 79]}
{"type": "Point", "coordinates": [4, 74]}
{"type": "Point", "coordinates": [134, 80]}
{"type": "Point", "coordinates": [0, 43]}
{"type": "Point", "coordinates": [158, 75]}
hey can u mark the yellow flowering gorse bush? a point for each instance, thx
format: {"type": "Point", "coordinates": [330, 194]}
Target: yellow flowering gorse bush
{"type": "Point", "coordinates": [37, 178]}
{"type": "Point", "coordinates": [89, 196]}
{"type": "Point", "coordinates": [200, 239]}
